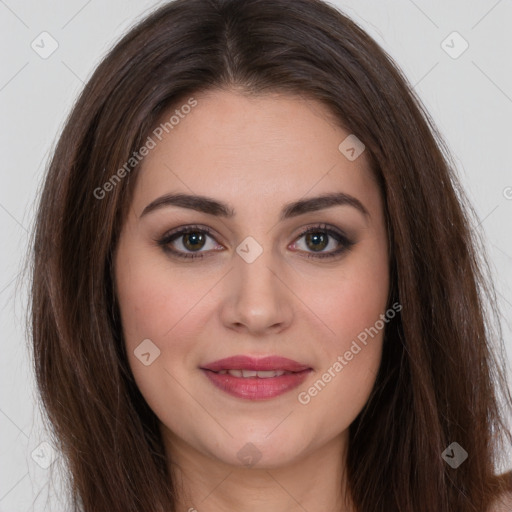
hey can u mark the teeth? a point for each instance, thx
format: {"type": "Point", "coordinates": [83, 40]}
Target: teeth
{"type": "Point", "coordinates": [270, 373]}
{"type": "Point", "coordinates": [248, 373]}
{"type": "Point", "coordinates": [253, 373]}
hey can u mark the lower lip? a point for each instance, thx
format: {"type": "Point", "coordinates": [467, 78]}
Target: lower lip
{"type": "Point", "coordinates": [254, 388]}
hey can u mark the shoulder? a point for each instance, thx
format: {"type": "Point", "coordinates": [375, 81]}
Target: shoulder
{"type": "Point", "coordinates": [502, 504]}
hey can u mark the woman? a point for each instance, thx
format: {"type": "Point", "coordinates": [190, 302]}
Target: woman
{"type": "Point", "coordinates": [255, 282]}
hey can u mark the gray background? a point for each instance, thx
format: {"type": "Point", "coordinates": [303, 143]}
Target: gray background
{"type": "Point", "coordinates": [469, 98]}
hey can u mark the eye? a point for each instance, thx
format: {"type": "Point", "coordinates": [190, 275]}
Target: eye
{"type": "Point", "coordinates": [190, 238]}
{"type": "Point", "coordinates": [318, 238]}
{"type": "Point", "coordinates": [192, 241]}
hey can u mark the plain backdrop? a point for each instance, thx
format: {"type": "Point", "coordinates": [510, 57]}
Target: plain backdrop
{"type": "Point", "coordinates": [468, 92]}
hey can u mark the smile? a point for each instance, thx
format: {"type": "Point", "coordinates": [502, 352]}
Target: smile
{"type": "Point", "coordinates": [256, 379]}
{"type": "Point", "coordinates": [264, 374]}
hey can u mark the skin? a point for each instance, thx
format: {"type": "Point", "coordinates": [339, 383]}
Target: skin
{"type": "Point", "coordinates": [256, 154]}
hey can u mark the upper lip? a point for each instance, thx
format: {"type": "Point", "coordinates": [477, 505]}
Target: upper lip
{"type": "Point", "coordinates": [257, 364]}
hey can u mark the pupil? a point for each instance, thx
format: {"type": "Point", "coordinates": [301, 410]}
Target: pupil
{"type": "Point", "coordinates": [196, 238]}
{"type": "Point", "coordinates": [316, 237]}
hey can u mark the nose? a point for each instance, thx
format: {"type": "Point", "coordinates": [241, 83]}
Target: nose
{"type": "Point", "coordinates": [257, 299]}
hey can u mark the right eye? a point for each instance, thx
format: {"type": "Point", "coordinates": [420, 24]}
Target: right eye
{"type": "Point", "coordinates": [191, 239]}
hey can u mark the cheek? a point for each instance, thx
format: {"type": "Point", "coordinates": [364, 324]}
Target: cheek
{"type": "Point", "coordinates": [350, 358]}
{"type": "Point", "coordinates": [341, 389]}
{"type": "Point", "coordinates": [145, 293]}
{"type": "Point", "coordinates": [353, 310]}
{"type": "Point", "coordinates": [350, 298]}
{"type": "Point", "coordinates": [167, 306]}
{"type": "Point", "coordinates": [154, 306]}
{"type": "Point", "coordinates": [154, 302]}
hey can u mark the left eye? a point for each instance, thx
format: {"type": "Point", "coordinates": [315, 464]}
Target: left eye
{"type": "Point", "coordinates": [318, 240]}
{"type": "Point", "coordinates": [189, 242]}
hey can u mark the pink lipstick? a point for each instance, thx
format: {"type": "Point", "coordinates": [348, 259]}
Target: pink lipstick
{"type": "Point", "coordinates": [256, 378]}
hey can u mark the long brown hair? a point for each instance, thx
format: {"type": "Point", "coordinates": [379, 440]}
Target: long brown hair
{"type": "Point", "coordinates": [439, 380]}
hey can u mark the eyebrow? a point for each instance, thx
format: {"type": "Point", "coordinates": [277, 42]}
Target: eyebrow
{"type": "Point", "coordinates": [211, 206]}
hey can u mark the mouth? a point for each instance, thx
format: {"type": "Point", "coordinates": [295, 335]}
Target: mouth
{"type": "Point", "coordinates": [256, 379]}
{"type": "Point", "coordinates": [262, 374]}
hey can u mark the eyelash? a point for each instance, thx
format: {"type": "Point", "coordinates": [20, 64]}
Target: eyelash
{"type": "Point", "coordinates": [345, 242]}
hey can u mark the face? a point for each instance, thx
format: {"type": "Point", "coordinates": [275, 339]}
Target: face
{"type": "Point", "coordinates": [261, 276]}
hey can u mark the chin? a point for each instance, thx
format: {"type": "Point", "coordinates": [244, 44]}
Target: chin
{"type": "Point", "coordinates": [261, 451]}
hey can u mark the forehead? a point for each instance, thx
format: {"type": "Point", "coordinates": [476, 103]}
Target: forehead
{"type": "Point", "coordinates": [246, 149]}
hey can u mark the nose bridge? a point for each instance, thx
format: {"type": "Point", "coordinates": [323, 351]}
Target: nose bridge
{"type": "Point", "coordinates": [253, 266]}
{"type": "Point", "coordinates": [258, 299]}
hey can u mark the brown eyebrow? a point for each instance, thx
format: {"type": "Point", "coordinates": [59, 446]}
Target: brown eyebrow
{"type": "Point", "coordinates": [211, 206]}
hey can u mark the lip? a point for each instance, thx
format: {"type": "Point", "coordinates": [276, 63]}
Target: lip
{"type": "Point", "coordinates": [257, 364]}
{"type": "Point", "coordinates": [256, 388]}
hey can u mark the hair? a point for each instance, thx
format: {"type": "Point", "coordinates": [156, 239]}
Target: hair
{"type": "Point", "coordinates": [440, 379]}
